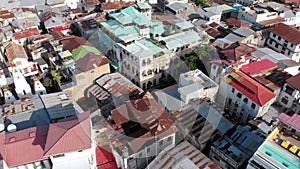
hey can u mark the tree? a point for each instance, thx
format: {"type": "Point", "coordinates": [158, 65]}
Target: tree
{"type": "Point", "coordinates": [205, 53]}
{"type": "Point", "coordinates": [200, 3]}
{"type": "Point", "coordinates": [56, 75]}
{"type": "Point", "coordinates": [191, 61]}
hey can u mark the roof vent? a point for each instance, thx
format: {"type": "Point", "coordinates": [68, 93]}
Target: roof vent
{"type": "Point", "coordinates": [12, 139]}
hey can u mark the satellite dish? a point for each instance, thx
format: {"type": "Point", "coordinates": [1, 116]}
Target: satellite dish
{"type": "Point", "coordinates": [11, 128]}
{"type": "Point", "coordinates": [2, 127]}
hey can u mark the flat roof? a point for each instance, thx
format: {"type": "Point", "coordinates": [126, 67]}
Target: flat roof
{"type": "Point", "coordinates": [181, 39]}
{"type": "Point", "coordinates": [144, 48]}
{"type": "Point", "coordinates": [285, 159]}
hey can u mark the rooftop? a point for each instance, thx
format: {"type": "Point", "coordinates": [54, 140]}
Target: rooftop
{"type": "Point", "coordinates": [184, 155]}
{"type": "Point", "coordinates": [73, 42]}
{"type": "Point", "coordinates": [250, 88]}
{"type": "Point", "coordinates": [258, 67]}
{"type": "Point", "coordinates": [286, 32]}
{"type": "Point", "coordinates": [294, 81]}
{"type": "Point", "coordinates": [68, 135]}
{"type": "Point", "coordinates": [144, 48]}
{"type": "Point", "coordinates": [236, 50]}
{"type": "Point", "coordinates": [239, 145]}
{"type": "Point", "coordinates": [25, 113]}
{"type": "Point", "coordinates": [114, 84]}
{"type": "Point", "coordinates": [91, 61]}
{"type": "Point", "coordinates": [27, 33]}
{"type": "Point", "coordinates": [59, 105]}
{"type": "Point", "coordinates": [181, 39]}
{"type": "Point", "coordinates": [196, 76]}
{"type": "Point", "coordinates": [115, 5]}
{"type": "Point", "coordinates": [82, 51]}
{"type": "Point", "coordinates": [150, 122]}
{"type": "Point", "coordinates": [15, 51]}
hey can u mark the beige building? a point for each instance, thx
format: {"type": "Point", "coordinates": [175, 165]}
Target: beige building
{"type": "Point", "coordinates": [88, 68]}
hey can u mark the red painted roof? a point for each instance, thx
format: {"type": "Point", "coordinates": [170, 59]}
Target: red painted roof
{"type": "Point", "coordinates": [27, 33]}
{"type": "Point", "coordinates": [72, 42]}
{"type": "Point", "coordinates": [295, 81]}
{"type": "Point", "coordinates": [250, 88]}
{"type": "Point", "coordinates": [110, 165]}
{"type": "Point", "coordinates": [287, 32]}
{"type": "Point", "coordinates": [37, 143]}
{"type": "Point", "coordinates": [104, 155]}
{"type": "Point", "coordinates": [69, 135]}
{"type": "Point", "coordinates": [292, 120]}
{"type": "Point", "coordinates": [258, 67]}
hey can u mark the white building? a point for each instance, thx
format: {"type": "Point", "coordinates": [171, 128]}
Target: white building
{"type": "Point", "coordinates": [141, 59]}
{"type": "Point", "coordinates": [195, 85]}
{"type": "Point", "coordinates": [245, 98]}
{"type": "Point", "coordinates": [50, 148]}
{"type": "Point", "coordinates": [22, 87]}
{"type": "Point", "coordinates": [290, 92]}
{"type": "Point", "coordinates": [254, 14]}
{"type": "Point", "coordinates": [286, 40]}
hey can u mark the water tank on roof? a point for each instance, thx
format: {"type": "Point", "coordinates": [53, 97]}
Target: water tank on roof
{"type": "Point", "coordinates": [11, 128]}
{"type": "Point", "coordinates": [2, 127]}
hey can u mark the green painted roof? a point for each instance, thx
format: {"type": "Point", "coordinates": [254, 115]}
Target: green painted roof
{"type": "Point", "coordinates": [280, 155]}
{"type": "Point", "coordinates": [65, 54]}
{"type": "Point", "coordinates": [144, 48]}
{"type": "Point", "coordinates": [181, 39]}
{"type": "Point", "coordinates": [130, 11]}
{"type": "Point", "coordinates": [83, 50]}
{"type": "Point", "coordinates": [157, 30]}
{"type": "Point", "coordinates": [140, 20]}
{"type": "Point", "coordinates": [144, 6]}
{"type": "Point", "coordinates": [114, 65]}
{"type": "Point", "coordinates": [184, 25]}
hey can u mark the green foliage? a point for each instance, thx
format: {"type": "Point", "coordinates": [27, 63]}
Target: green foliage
{"type": "Point", "coordinates": [56, 75]}
{"type": "Point", "coordinates": [205, 53]}
{"type": "Point", "coordinates": [200, 3]}
{"type": "Point", "coordinates": [47, 82]}
{"type": "Point", "coordinates": [191, 61]}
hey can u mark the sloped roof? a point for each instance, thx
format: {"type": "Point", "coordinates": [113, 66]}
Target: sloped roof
{"type": "Point", "coordinates": [295, 81]}
{"type": "Point", "coordinates": [115, 5]}
{"type": "Point", "coordinates": [250, 88]}
{"type": "Point", "coordinates": [38, 143]}
{"type": "Point", "coordinates": [82, 51]}
{"type": "Point", "coordinates": [236, 50]}
{"type": "Point", "coordinates": [73, 42]}
{"type": "Point", "coordinates": [293, 120]}
{"type": "Point", "coordinates": [287, 32]}
{"type": "Point", "coordinates": [236, 22]}
{"type": "Point", "coordinates": [258, 67]}
{"type": "Point", "coordinates": [69, 135]}
{"type": "Point", "coordinates": [27, 33]}
{"type": "Point", "coordinates": [91, 61]}
{"type": "Point", "coordinates": [15, 51]}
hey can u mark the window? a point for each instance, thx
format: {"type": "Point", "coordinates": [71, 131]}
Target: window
{"type": "Point", "coordinates": [253, 106]}
{"type": "Point", "coordinates": [284, 100]}
{"type": "Point", "coordinates": [232, 90]}
{"type": "Point", "coordinates": [276, 46]}
{"type": "Point", "coordinates": [245, 100]}
{"type": "Point", "coordinates": [289, 90]}
{"type": "Point", "coordinates": [214, 66]}
{"type": "Point", "coordinates": [148, 150]}
{"type": "Point", "coordinates": [279, 38]}
{"type": "Point", "coordinates": [61, 155]}
{"type": "Point", "coordinates": [274, 35]}
{"type": "Point", "coordinates": [141, 154]}
{"type": "Point", "coordinates": [161, 143]}
{"type": "Point", "coordinates": [239, 95]}
{"type": "Point", "coordinates": [169, 139]}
